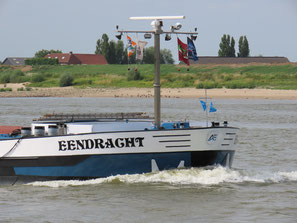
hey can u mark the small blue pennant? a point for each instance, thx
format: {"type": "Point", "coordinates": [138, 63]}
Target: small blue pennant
{"type": "Point", "coordinates": [211, 108]}
{"type": "Point", "coordinates": [203, 104]}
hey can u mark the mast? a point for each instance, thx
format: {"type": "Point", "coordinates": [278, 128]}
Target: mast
{"type": "Point", "coordinates": [157, 24]}
{"type": "Point", "coordinates": [157, 85]}
{"type": "Point", "coordinates": [206, 111]}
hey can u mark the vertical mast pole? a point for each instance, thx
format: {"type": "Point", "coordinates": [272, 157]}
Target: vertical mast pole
{"type": "Point", "coordinates": [157, 93]}
{"type": "Point", "coordinates": [157, 30]}
{"type": "Point", "coordinates": [206, 112]}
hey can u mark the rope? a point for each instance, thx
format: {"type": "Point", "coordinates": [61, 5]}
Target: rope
{"type": "Point", "coordinates": [13, 148]}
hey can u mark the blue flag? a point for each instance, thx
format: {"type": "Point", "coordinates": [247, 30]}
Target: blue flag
{"type": "Point", "coordinates": [211, 108]}
{"type": "Point", "coordinates": [203, 105]}
{"type": "Point", "coordinates": [192, 54]}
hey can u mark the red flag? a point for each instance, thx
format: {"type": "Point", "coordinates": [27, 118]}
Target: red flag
{"type": "Point", "coordinates": [182, 52]}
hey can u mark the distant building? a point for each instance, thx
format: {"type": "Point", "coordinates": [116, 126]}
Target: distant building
{"type": "Point", "coordinates": [73, 58]}
{"type": "Point", "coordinates": [15, 61]}
{"type": "Point", "coordinates": [238, 60]}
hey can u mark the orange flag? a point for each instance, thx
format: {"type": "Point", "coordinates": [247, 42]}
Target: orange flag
{"type": "Point", "coordinates": [131, 46]}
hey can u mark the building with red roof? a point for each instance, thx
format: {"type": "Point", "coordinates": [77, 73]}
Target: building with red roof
{"type": "Point", "coordinates": [73, 58]}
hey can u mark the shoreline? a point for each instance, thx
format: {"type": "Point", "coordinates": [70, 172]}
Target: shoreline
{"type": "Point", "coordinates": [149, 92]}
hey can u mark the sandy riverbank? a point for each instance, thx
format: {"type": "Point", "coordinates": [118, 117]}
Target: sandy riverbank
{"type": "Point", "coordinates": [148, 92]}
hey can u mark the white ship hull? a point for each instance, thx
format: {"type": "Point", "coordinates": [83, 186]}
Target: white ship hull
{"type": "Point", "coordinates": [102, 154]}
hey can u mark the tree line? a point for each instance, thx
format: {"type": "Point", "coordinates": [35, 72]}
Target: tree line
{"type": "Point", "coordinates": [116, 53]}
{"type": "Point", "coordinates": [227, 47]}
{"type": "Point", "coordinates": [39, 59]}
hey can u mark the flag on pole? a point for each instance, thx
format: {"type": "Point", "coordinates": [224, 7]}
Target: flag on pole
{"type": "Point", "coordinates": [203, 104]}
{"type": "Point", "coordinates": [192, 54]}
{"type": "Point", "coordinates": [131, 46]}
{"type": "Point", "coordinates": [139, 49]}
{"type": "Point", "coordinates": [182, 51]}
{"type": "Point", "coordinates": [211, 108]}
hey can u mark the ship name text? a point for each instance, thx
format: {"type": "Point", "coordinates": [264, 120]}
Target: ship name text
{"type": "Point", "coordinates": [99, 143]}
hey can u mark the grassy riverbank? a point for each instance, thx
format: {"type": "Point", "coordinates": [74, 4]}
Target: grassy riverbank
{"type": "Point", "coordinates": [281, 76]}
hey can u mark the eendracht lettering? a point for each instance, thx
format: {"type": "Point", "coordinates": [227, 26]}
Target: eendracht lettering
{"type": "Point", "coordinates": [100, 143]}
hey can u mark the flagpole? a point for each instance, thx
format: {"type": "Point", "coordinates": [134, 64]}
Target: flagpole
{"type": "Point", "coordinates": [206, 108]}
{"type": "Point", "coordinates": [157, 92]}
{"type": "Point", "coordinates": [128, 58]}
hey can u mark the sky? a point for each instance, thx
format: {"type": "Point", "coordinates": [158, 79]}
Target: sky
{"type": "Point", "coordinates": [75, 25]}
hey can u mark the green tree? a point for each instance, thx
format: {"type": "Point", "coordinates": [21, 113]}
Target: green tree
{"type": "Point", "coordinates": [240, 46]}
{"type": "Point", "coordinates": [120, 52]}
{"type": "Point", "coordinates": [43, 52]}
{"type": "Point", "coordinates": [110, 54]}
{"type": "Point", "coordinates": [105, 44]}
{"type": "Point", "coordinates": [243, 47]}
{"type": "Point", "coordinates": [227, 46]}
{"type": "Point", "coordinates": [246, 48]}
{"type": "Point", "coordinates": [149, 55]}
{"type": "Point", "coordinates": [166, 57]}
{"type": "Point", "coordinates": [232, 48]}
{"type": "Point", "coordinates": [223, 51]}
{"type": "Point", "coordinates": [125, 57]}
{"type": "Point", "coordinates": [102, 45]}
{"type": "Point", "coordinates": [111, 50]}
{"type": "Point", "coordinates": [41, 61]}
{"type": "Point", "coordinates": [115, 53]}
{"type": "Point", "coordinates": [98, 47]}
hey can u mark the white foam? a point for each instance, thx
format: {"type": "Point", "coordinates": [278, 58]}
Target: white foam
{"type": "Point", "coordinates": [271, 177]}
{"type": "Point", "coordinates": [66, 183]}
{"type": "Point", "coordinates": [290, 176]}
{"type": "Point", "coordinates": [193, 176]}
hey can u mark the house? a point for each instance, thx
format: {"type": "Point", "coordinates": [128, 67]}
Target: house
{"type": "Point", "coordinates": [73, 58]}
{"type": "Point", "coordinates": [238, 60]}
{"type": "Point", "coordinates": [15, 61]}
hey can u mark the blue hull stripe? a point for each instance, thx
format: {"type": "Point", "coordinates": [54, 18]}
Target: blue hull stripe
{"type": "Point", "coordinates": [107, 165]}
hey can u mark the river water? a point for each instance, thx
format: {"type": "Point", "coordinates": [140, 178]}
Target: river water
{"type": "Point", "coordinates": [261, 186]}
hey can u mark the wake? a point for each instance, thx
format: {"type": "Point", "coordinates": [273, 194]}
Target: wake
{"type": "Point", "coordinates": [193, 176]}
